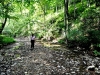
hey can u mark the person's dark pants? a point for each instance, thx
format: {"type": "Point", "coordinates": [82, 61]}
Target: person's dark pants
{"type": "Point", "coordinates": [32, 43]}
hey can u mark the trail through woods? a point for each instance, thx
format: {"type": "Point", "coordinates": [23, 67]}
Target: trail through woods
{"type": "Point", "coordinates": [18, 59]}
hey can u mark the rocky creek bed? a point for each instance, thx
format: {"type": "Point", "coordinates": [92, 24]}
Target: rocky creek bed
{"type": "Point", "coordinates": [18, 59]}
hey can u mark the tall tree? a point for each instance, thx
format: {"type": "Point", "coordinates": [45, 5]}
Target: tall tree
{"type": "Point", "coordinates": [88, 3]}
{"type": "Point", "coordinates": [74, 9]}
{"type": "Point", "coordinates": [66, 16]}
{"type": "Point", "coordinates": [5, 11]}
{"type": "Point", "coordinates": [97, 3]}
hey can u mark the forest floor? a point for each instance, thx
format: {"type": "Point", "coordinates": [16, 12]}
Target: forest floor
{"type": "Point", "coordinates": [18, 59]}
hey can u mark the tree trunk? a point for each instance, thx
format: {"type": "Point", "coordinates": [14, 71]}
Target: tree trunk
{"type": "Point", "coordinates": [66, 19]}
{"type": "Point", "coordinates": [44, 12]}
{"type": "Point", "coordinates": [43, 7]}
{"type": "Point", "coordinates": [97, 2]}
{"type": "Point", "coordinates": [82, 2]}
{"type": "Point", "coordinates": [3, 25]}
{"type": "Point", "coordinates": [5, 20]}
{"type": "Point", "coordinates": [66, 14]}
{"type": "Point", "coordinates": [74, 10]}
{"type": "Point", "coordinates": [88, 3]}
{"type": "Point", "coordinates": [56, 8]}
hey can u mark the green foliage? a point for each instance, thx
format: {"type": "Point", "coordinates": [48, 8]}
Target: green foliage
{"type": "Point", "coordinates": [6, 40]}
{"type": "Point", "coordinates": [61, 41]}
{"type": "Point", "coordinates": [39, 35]}
{"type": "Point", "coordinates": [74, 1]}
{"type": "Point", "coordinates": [94, 36]}
{"type": "Point", "coordinates": [96, 53]}
{"type": "Point", "coordinates": [80, 8]}
{"type": "Point", "coordinates": [84, 29]}
{"type": "Point", "coordinates": [76, 10]}
{"type": "Point", "coordinates": [76, 38]}
{"type": "Point", "coordinates": [98, 45]}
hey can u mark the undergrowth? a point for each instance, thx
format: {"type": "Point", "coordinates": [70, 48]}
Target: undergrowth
{"type": "Point", "coordinates": [5, 40]}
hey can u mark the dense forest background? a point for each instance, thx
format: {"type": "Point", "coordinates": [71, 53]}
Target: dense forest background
{"type": "Point", "coordinates": [72, 22]}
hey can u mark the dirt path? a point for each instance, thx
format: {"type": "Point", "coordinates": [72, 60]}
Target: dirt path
{"type": "Point", "coordinates": [18, 59]}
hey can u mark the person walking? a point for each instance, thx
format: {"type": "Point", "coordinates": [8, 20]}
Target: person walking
{"type": "Point", "coordinates": [32, 41]}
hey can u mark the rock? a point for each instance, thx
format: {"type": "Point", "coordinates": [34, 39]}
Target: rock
{"type": "Point", "coordinates": [41, 74]}
{"type": "Point", "coordinates": [73, 72]}
{"type": "Point", "coordinates": [14, 64]}
{"type": "Point", "coordinates": [53, 61]}
{"type": "Point", "coordinates": [43, 61]}
{"type": "Point", "coordinates": [3, 53]}
{"type": "Point", "coordinates": [1, 58]}
{"type": "Point", "coordinates": [8, 72]}
{"type": "Point", "coordinates": [2, 73]}
{"type": "Point", "coordinates": [91, 69]}
{"type": "Point", "coordinates": [26, 73]}
{"type": "Point", "coordinates": [58, 66]}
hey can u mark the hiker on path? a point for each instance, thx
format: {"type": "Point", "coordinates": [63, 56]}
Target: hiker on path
{"type": "Point", "coordinates": [32, 41]}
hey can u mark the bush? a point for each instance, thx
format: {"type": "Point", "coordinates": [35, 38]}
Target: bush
{"type": "Point", "coordinates": [61, 41]}
{"type": "Point", "coordinates": [4, 40]}
{"type": "Point", "coordinates": [96, 53]}
{"type": "Point", "coordinates": [77, 38]}
{"type": "Point", "coordinates": [94, 36]}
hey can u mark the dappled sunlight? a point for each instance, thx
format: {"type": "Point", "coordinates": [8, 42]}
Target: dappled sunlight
{"type": "Point", "coordinates": [67, 36]}
{"type": "Point", "coordinates": [50, 44]}
{"type": "Point", "coordinates": [51, 60]}
{"type": "Point", "coordinates": [55, 45]}
{"type": "Point", "coordinates": [25, 11]}
{"type": "Point", "coordinates": [40, 61]}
